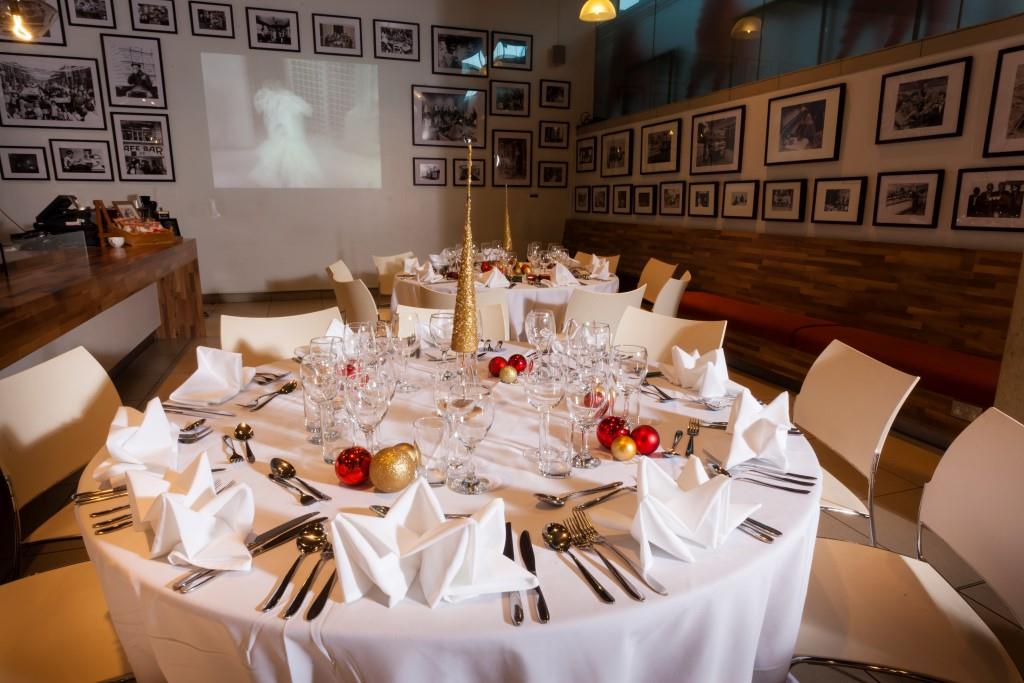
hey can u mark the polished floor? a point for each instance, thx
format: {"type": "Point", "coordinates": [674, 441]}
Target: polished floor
{"type": "Point", "coordinates": [905, 467]}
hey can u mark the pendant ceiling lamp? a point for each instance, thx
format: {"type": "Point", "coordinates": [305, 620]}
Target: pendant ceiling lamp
{"type": "Point", "coordinates": [597, 10]}
{"type": "Point", "coordinates": [747, 28]}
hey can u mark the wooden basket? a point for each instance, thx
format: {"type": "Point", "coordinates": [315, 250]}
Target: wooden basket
{"type": "Point", "coordinates": [108, 228]}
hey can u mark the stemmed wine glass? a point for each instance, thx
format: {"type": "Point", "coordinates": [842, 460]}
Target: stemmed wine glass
{"type": "Point", "coordinates": [544, 390]}
{"type": "Point", "coordinates": [367, 397]}
{"type": "Point", "coordinates": [533, 251]}
{"type": "Point", "coordinates": [441, 327]}
{"type": "Point", "coordinates": [405, 337]}
{"type": "Point", "coordinates": [540, 330]}
{"type": "Point", "coordinates": [587, 394]}
{"type": "Point", "coordinates": [319, 373]}
{"type": "Point", "coordinates": [473, 409]}
{"type": "Point", "coordinates": [629, 363]}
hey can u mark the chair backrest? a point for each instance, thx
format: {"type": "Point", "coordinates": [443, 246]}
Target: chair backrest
{"type": "Point", "coordinates": [584, 258]}
{"type": "Point", "coordinates": [613, 262]}
{"type": "Point", "coordinates": [387, 268]}
{"type": "Point", "coordinates": [655, 274]}
{"type": "Point", "coordinates": [264, 340]}
{"type": "Point", "coordinates": [339, 272]}
{"type": "Point", "coordinates": [485, 298]}
{"type": "Point", "coordinates": [607, 308]}
{"type": "Point", "coordinates": [54, 419]}
{"type": "Point", "coordinates": [849, 401]}
{"type": "Point", "coordinates": [973, 502]}
{"type": "Point", "coordinates": [493, 318]}
{"type": "Point", "coordinates": [667, 301]}
{"type": "Point", "coordinates": [659, 333]}
{"type": "Point", "coordinates": [355, 301]}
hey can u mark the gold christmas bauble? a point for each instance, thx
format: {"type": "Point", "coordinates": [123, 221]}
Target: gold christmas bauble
{"type": "Point", "coordinates": [508, 375]}
{"type": "Point", "coordinates": [413, 452]}
{"type": "Point", "coordinates": [392, 469]}
{"type": "Point", "coordinates": [623, 448]}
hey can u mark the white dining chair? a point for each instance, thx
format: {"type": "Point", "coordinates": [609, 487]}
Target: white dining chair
{"type": "Point", "coordinates": [872, 609]}
{"type": "Point", "coordinates": [339, 272]}
{"type": "Point", "coordinates": [431, 298]}
{"type": "Point", "coordinates": [356, 302]}
{"type": "Point", "coordinates": [655, 274]}
{"type": "Point", "coordinates": [264, 340]}
{"type": "Point", "coordinates": [659, 333]}
{"type": "Point", "coordinates": [849, 401]}
{"type": "Point", "coordinates": [667, 301]}
{"type": "Point", "coordinates": [607, 308]}
{"type": "Point", "coordinates": [493, 319]}
{"type": "Point", "coordinates": [387, 268]}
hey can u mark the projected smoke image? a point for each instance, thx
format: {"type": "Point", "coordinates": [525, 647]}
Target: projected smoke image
{"type": "Point", "coordinates": [291, 123]}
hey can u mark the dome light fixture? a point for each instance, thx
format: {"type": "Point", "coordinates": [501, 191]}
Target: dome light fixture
{"type": "Point", "coordinates": [597, 10]}
{"type": "Point", "coordinates": [746, 28]}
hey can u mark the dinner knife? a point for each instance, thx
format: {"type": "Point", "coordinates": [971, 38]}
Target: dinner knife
{"type": "Point", "coordinates": [526, 552]}
{"type": "Point", "coordinates": [196, 409]}
{"type": "Point", "coordinates": [513, 596]}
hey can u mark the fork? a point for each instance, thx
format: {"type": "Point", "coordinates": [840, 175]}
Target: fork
{"type": "Point", "coordinates": [582, 540]}
{"type": "Point", "coordinates": [658, 390]}
{"type": "Point", "coordinates": [583, 520]}
{"type": "Point", "coordinates": [692, 430]}
{"type": "Point", "coordinates": [236, 457]}
{"type": "Point", "coordinates": [264, 378]}
{"type": "Point", "coordinates": [113, 524]}
{"type": "Point", "coordinates": [325, 555]}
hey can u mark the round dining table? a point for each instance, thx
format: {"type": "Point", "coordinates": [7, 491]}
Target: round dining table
{"type": "Point", "coordinates": [733, 615]}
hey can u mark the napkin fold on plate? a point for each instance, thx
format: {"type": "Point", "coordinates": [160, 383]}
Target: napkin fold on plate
{"type": "Point", "coordinates": [428, 275]}
{"type": "Point", "coordinates": [561, 276]}
{"type": "Point", "coordinates": [451, 560]}
{"type": "Point", "coordinates": [139, 442]}
{"type": "Point", "coordinates": [599, 268]}
{"type": "Point", "coordinates": [493, 278]}
{"type": "Point", "coordinates": [218, 377]}
{"type": "Point", "coordinates": [437, 261]}
{"type": "Point", "coordinates": [706, 373]}
{"type": "Point", "coordinates": [758, 431]}
{"type": "Point", "coordinates": [185, 518]}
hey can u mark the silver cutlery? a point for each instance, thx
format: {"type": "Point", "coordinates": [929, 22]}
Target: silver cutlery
{"type": "Point", "coordinates": [767, 485]}
{"type": "Point", "coordinates": [753, 531]}
{"type": "Point", "coordinates": [658, 390]}
{"type": "Point", "coordinates": [109, 511]}
{"type": "Point", "coordinates": [723, 424]}
{"type": "Point", "coordinates": [801, 482]}
{"type": "Point", "coordinates": [264, 378]}
{"type": "Point", "coordinates": [193, 426]}
{"type": "Point", "coordinates": [526, 552]}
{"type": "Point", "coordinates": [173, 405]}
{"type": "Point", "coordinates": [125, 521]}
{"type": "Point", "coordinates": [193, 438]}
{"type": "Point", "coordinates": [325, 555]}
{"type": "Point", "coordinates": [557, 538]}
{"type": "Point", "coordinates": [597, 501]}
{"type": "Point", "coordinates": [515, 601]}
{"type": "Point", "coordinates": [286, 470]}
{"type": "Point", "coordinates": [758, 469]}
{"type": "Point", "coordinates": [692, 430]}
{"type": "Point", "coordinates": [112, 521]}
{"type": "Point", "coordinates": [595, 536]}
{"type": "Point", "coordinates": [312, 540]}
{"type": "Point", "coordinates": [262, 400]}
{"type": "Point", "coordinates": [83, 497]}
{"type": "Point", "coordinates": [304, 498]}
{"type": "Point", "coordinates": [243, 432]}
{"type": "Point", "coordinates": [675, 443]}
{"type": "Point", "coordinates": [382, 510]}
{"type": "Point", "coordinates": [771, 531]}
{"type": "Point", "coordinates": [581, 540]}
{"type": "Point", "coordinates": [235, 456]}
{"type": "Point", "coordinates": [116, 527]}
{"type": "Point", "coordinates": [321, 598]}
{"type": "Point", "coordinates": [559, 501]}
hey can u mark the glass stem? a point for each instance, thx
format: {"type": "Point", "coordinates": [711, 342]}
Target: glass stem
{"type": "Point", "coordinates": [545, 419]}
{"type": "Point", "coordinates": [470, 466]}
{"type": "Point", "coordinates": [325, 449]}
{"type": "Point", "coordinates": [584, 446]}
{"type": "Point", "coordinates": [371, 439]}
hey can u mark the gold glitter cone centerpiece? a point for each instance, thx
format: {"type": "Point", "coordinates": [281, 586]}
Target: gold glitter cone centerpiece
{"type": "Point", "coordinates": [508, 225]}
{"type": "Point", "coordinates": [464, 334]}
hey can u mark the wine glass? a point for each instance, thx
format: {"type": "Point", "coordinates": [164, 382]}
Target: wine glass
{"type": "Point", "coordinates": [441, 327]}
{"type": "Point", "coordinates": [533, 251]}
{"type": "Point", "coordinates": [473, 408]}
{"type": "Point", "coordinates": [540, 329]}
{"type": "Point", "coordinates": [405, 337]}
{"type": "Point", "coordinates": [587, 394]}
{"type": "Point", "coordinates": [629, 363]}
{"type": "Point", "coordinates": [449, 382]}
{"type": "Point", "coordinates": [594, 341]}
{"type": "Point", "coordinates": [367, 398]}
{"type": "Point", "coordinates": [429, 434]}
{"type": "Point", "coordinates": [321, 345]}
{"type": "Point", "coordinates": [319, 373]}
{"type": "Point", "coordinates": [544, 390]}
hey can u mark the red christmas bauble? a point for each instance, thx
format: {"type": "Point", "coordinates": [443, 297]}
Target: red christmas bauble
{"type": "Point", "coordinates": [647, 439]}
{"type": "Point", "coordinates": [609, 428]}
{"type": "Point", "coordinates": [353, 466]}
{"type": "Point", "coordinates": [518, 361]}
{"type": "Point", "coordinates": [495, 366]}
{"type": "Point", "coordinates": [486, 266]}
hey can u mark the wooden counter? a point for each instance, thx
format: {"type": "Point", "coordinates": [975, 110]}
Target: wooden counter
{"type": "Point", "coordinates": [43, 297]}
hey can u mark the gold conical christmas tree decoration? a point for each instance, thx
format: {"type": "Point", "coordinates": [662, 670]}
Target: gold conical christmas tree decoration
{"type": "Point", "coordinates": [464, 333]}
{"type": "Point", "coordinates": [508, 226]}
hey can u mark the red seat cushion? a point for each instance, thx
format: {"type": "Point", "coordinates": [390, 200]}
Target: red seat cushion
{"type": "Point", "coordinates": [770, 323]}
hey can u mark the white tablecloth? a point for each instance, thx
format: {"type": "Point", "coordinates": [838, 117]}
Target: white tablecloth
{"type": "Point", "coordinates": [733, 616]}
{"type": "Point", "coordinates": [522, 298]}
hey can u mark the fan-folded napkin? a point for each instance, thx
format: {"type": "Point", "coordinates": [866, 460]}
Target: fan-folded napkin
{"type": "Point", "coordinates": [561, 276]}
{"type": "Point", "coordinates": [218, 377]}
{"type": "Point", "coordinates": [599, 268]}
{"type": "Point", "coordinates": [758, 431]}
{"type": "Point", "coordinates": [493, 278]}
{"type": "Point", "coordinates": [138, 441]}
{"type": "Point", "coordinates": [427, 274]}
{"type": "Point", "coordinates": [706, 373]}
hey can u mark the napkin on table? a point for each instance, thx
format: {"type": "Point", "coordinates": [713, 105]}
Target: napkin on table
{"type": "Point", "coordinates": [140, 442]}
{"type": "Point", "coordinates": [411, 265]}
{"type": "Point", "coordinates": [427, 274]}
{"type": "Point", "coordinates": [561, 276]}
{"type": "Point", "coordinates": [758, 431]}
{"type": "Point", "coordinates": [493, 278]}
{"type": "Point", "coordinates": [218, 377]}
{"type": "Point", "coordinates": [707, 373]}
{"type": "Point", "coordinates": [599, 268]}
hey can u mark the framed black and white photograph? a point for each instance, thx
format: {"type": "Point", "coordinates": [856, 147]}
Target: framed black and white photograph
{"type": "Point", "coordinates": [396, 40]}
{"type": "Point", "coordinates": [717, 145]}
{"type": "Point", "coordinates": [555, 94]}
{"type": "Point", "coordinates": [784, 200]}
{"type": "Point", "coordinates": [805, 127]}
{"type": "Point", "coordinates": [23, 163]}
{"type": "Point", "coordinates": [599, 198]}
{"type": "Point", "coordinates": [659, 147]}
{"type": "Point", "coordinates": [839, 200]}
{"type": "Point", "coordinates": [581, 199]}
{"type": "Point", "coordinates": [617, 153]}
{"type": "Point", "coordinates": [212, 19]}
{"type": "Point", "coordinates": [142, 145]}
{"type": "Point", "coordinates": [586, 155]}
{"type": "Point", "coordinates": [924, 102]}
{"type": "Point", "coordinates": [153, 15]}
{"type": "Point", "coordinates": [622, 199]}
{"type": "Point", "coordinates": [739, 198]}
{"type": "Point", "coordinates": [553, 134]}
{"type": "Point", "coordinates": [461, 176]}
{"type": "Point", "coordinates": [510, 98]}
{"type": "Point", "coordinates": [513, 158]}
{"type": "Point", "coordinates": [458, 51]}
{"type": "Point", "coordinates": [40, 91]}
{"type": "Point", "coordinates": [445, 117]}
{"type": "Point", "coordinates": [645, 199]}
{"type": "Point", "coordinates": [908, 199]}
{"type": "Point", "coordinates": [702, 199]}
{"type": "Point", "coordinates": [37, 13]}
{"type": "Point", "coordinates": [429, 171]}
{"type": "Point", "coordinates": [1005, 133]}
{"type": "Point", "coordinates": [670, 198]}
{"type": "Point", "coordinates": [989, 199]}
{"type": "Point", "coordinates": [511, 51]}
{"type": "Point", "coordinates": [552, 174]}
{"type": "Point", "coordinates": [272, 29]}
{"type": "Point", "coordinates": [135, 71]}
{"type": "Point", "coordinates": [96, 13]}
{"type": "Point", "coordinates": [337, 35]}
{"type": "Point", "coordinates": [81, 160]}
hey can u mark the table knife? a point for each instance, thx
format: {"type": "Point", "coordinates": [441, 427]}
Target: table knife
{"type": "Point", "coordinates": [526, 553]}
{"type": "Point", "coordinates": [513, 596]}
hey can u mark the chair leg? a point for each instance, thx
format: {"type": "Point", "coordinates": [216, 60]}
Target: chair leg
{"type": "Point", "coordinates": [862, 666]}
{"type": "Point", "coordinates": [871, 500]}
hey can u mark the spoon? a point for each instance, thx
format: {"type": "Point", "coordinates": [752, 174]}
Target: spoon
{"type": "Point", "coordinates": [286, 470]}
{"type": "Point", "coordinates": [235, 455]}
{"type": "Point", "coordinates": [559, 501]}
{"type": "Point", "coordinates": [325, 556]}
{"type": "Point", "coordinates": [286, 388]}
{"type": "Point", "coordinates": [312, 540]}
{"type": "Point", "coordinates": [304, 497]}
{"type": "Point", "coordinates": [192, 426]}
{"type": "Point", "coordinates": [558, 539]}
{"type": "Point", "coordinates": [243, 432]}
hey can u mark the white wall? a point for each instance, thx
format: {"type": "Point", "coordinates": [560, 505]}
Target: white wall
{"type": "Point", "coordinates": [282, 239]}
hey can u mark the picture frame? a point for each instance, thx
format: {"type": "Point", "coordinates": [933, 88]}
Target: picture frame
{"type": "Point", "coordinates": [784, 200]}
{"type": "Point", "coordinates": [671, 197]}
{"type": "Point", "coordinates": [513, 157]}
{"type": "Point", "coordinates": [83, 110]}
{"type": "Point", "coordinates": [125, 209]}
{"type": "Point", "coordinates": [717, 141]}
{"type": "Point", "coordinates": [442, 117]}
{"type": "Point", "coordinates": [432, 171]}
{"type": "Point", "coordinates": [586, 155]}
{"type": "Point", "coordinates": [553, 134]}
{"type": "Point", "coordinates": [142, 143]}
{"type": "Point", "coordinates": [510, 98]}
{"type": "Point", "coordinates": [659, 147]}
{"type": "Point", "coordinates": [645, 199]}
{"type": "Point", "coordinates": [908, 199]}
{"type": "Point", "coordinates": [617, 153]}
{"type": "Point", "coordinates": [739, 198]}
{"type": "Point", "coordinates": [998, 208]}
{"type": "Point", "coordinates": [134, 67]}
{"type": "Point", "coordinates": [581, 199]}
{"type": "Point", "coordinates": [154, 16]}
{"type": "Point", "coordinates": [94, 13]}
{"type": "Point", "coordinates": [37, 14]}
{"type": "Point", "coordinates": [335, 34]}
{"type": "Point", "coordinates": [396, 40]}
{"type": "Point", "coordinates": [273, 29]}
{"type": "Point", "coordinates": [211, 19]}
{"type": "Point", "coordinates": [459, 51]}
{"type": "Point", "coordinates": [23, 163]}
{"type": "Point", "coordinates": [511, 50]}
{"type": "Point", "coordinates": [1004, 133]}
{"type": "Point", "coordinates": [555, 94]}
{"type": "Point", "coordinates": [80, 160]}
{"type": "Point", "coordinates": [460, 177]}
{"type": "Point", "coordinates": [806, 126]}
{"type": "Point", "coordinates": [923, 103]}
{"type": "Point", "coordinates": [839, 200]}
{"type": "Point", "coordinates": [622, 199]}
{"type": "Point", "coordinates": [552, 174]}
{"type": "Point", "coordinates": [702, 199]}
{"type": "Point", "coordinates": [599, 195]}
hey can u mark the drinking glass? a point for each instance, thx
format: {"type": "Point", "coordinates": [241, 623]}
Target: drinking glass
{"type": "Point", "coordinates": [319, 373]}
{"type": "Point", "coordinates": [380, 340]}
{"type": "Point", "coordinates": [311, 409]}
{"type": "Point", "coordinates": [405, 339]}
{"type": "Point", "coordinates": [629, 363]}
{"type": "Point", "coordinates": [473, 408]}
{"type": "Point", "coordinates": [544, 390]}
{"type": "Point", "coordinates": [587, 395]}
{"type": "Point", "coordinates": [441, 326]}
{"type": "Point", "coordinates": [367, 398]}
{"type": "Point", "coordinates": [540, 329]}
{"type": "Point", "coordinates": [449, 382]}
{"type": "Point", "coordinates": [429, 437]}
{"type": "Point", "coordinates": [533, 251]}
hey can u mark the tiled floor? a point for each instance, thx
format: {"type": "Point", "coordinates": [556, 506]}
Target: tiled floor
{"type": "Point", "coordinates": [904, 468]}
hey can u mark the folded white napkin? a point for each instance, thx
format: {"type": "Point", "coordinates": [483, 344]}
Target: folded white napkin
{"type": "Point", "coordinates": [336, 329]}
{"type": "Point", "coordinates": [450, 559]}
{"type": "Point", "coordinates": [138, 441]}
{"type": "Point", "coordinates": [599, 268]}
{"type": "Point", "coordinates": [706, 374]}
{"type": "Point", "coordinates": [437, 261]}
{"type": "Point", "coordinates": [561, 276]}
{"type": "Point", "coordinates": [411, 265]}
{"type": "Point", "coordinates": [218, 377]}
{"type": "Point", "coordinates": [427, 274]}
{"type": "Point", "coordinates": [493, 278]}
{"type": "Point", "coordinates": [758, 431]}
{"type": "Point", "coordinates": [185, 518]}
